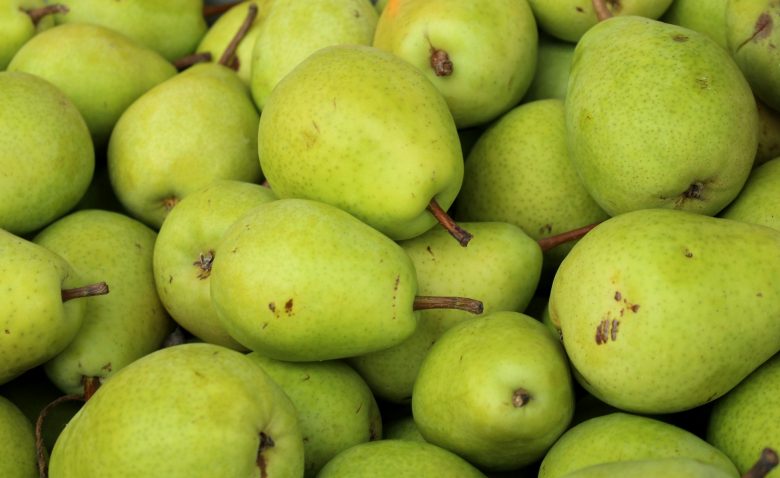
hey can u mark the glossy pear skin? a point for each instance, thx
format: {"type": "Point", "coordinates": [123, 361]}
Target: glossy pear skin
{"type": "Point", "coordinates": [647, 291]}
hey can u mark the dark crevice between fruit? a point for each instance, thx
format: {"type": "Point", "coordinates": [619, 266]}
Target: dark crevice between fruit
{"type": "Point", "coordinates": [204, 262]}
{"type": "Point", "coordinates": [266, 442]}
{"type": "Point", "coordinates": [461, 235]}
{"type": "Point", "coordinates": [219, 9]}
{"type": "Point", "coordinates": [440, 62]}
{"type": "Point", "coordinates": [36, 14]}
{"type": "Point", "coordinates": [520, 397]}
{"type": "Point", "coordinates": [766, 463]}
{"type": "Point", "coordinates": [228, 56]}
{"type": "Point", "coordinates": [91, 290]}
{"type": "Point", "coordinates": [459, 303]}
{"type": "Point", "coordinates": [40, 448]}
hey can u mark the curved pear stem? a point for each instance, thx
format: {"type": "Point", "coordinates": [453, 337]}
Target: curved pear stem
{"type": "Point", "coordinates": [90, 385]}
{"type": "Point", "coordinates": [212, 10]}
{"type": "Point", "coordinates": [36, 14]}
{"type": "Point", "coordinates": [40, 447]}
{"type": "Point", "coordinates": [188, 60]}
{"type": "Point", "coordinates": [424, 302]}
{"type": "Point", "coordinates": [101, 288]}
{"type": "Point", "coordinates": [462, 235]}
{"type": "Point", "coordinates": [766, 463]}
{"type": "Point", "coordinates": [547, 243]}
{"type": "Point", "coordinates": [602, 12]}
{"type": "Point", "coordinates": [228, 55]}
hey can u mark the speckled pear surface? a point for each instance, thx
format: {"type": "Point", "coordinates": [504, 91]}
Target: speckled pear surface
{"type": "Point", "coordinates": [666, 467]}
{"type": "Point", "coordinates": [759, 200]}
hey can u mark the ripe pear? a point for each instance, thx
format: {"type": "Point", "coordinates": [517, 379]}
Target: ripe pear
{"type": "Point", "coordinates": [658, 115]}
{"type": "Point", "coordinates": [365, 131]}
{"type": "Point", "coordinates": [184, 251]}
{"type": "Point", "coordinates": [618, 437]}
{"type": "Point", "coordinates": [705, 16]}
{"type": "Point", "coordinates": [551, 76]}
{"type": "Point", "coordinates": [401, 428]}
{"type": "Point", "coordinates": [293, 30]}
{"type": "Point", "coordinates": [128, 323]}
{"type": "Point", "coordinates": [747, 419]}
{"type": "Point", "coordinates": [18, 26]}
{"type": "Point", "coordinates": [646, 291]}
{"type": "Point", "coordinates": [192, 410]}
{"type": "Point", "coordinates": [759, 201]}
{"type": "Point", "coordinates": [666, 467]}
{"type": "Point", "coordinates": [768, 135]}
{"type": "Point", "coordinates": [172, 28]}
{"type": "Point", "coordinates": [336, 409]}
{"type": "Point", "coordinates": [481, 55]}
{"type": "Point", "coordinates": [496, 390]}
{"type": "Point", "coordinates": [398, 459]}
{"type": "Point", "coordinates": [17, 440]}
{"type": "Point", "coordinates": [99, 69]}
{"type": "Point", "coordinates": [46, 153]}
{"type": "Point", "coordinates": [315, 283]}
{"type": "Point", "coordinates": [179, 136]}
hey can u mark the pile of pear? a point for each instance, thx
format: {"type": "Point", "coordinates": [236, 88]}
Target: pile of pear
{"type": "Point", "coordinates": [347, 238]}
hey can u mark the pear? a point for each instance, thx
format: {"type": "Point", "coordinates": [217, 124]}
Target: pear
{"type": "Point", "coordinates": [758, 202]}
{"type": "Point", "coordinates": [481, 56]}
{"type": "Point", "coordinates": [172, 28]}
{"type": "Point", "coordinates": [128, 323]}
{"type": "Point", "coordinates": [402, 428]}
{"type": "Point", "coordinates": [686, 118]}
{"type": "Point", "coordinates": [551, 76]}
{"type": "Point", "coordinates": [293, 30]}
{"type": "Point", "coordinates": [336, 409]}
{"type": "Point", "coordinates": [501, 266]}
{"type": "Point", "coordinates": [398, 459]}
{"type": "Point", "coordinates": [363, 130]}
{"type": "Point", "coordinates": [666, 467]}
{"type": "Point", "coordinates": [17, 440]}
{"type": "Point", "coordinates": [99, 69]}
{"type": "Point", "coordinates": [210, 407]}
{"type": "Point", "coordinates": [179, 136]}
{"type": "Point", "coordinates": [184, 251]}
{"type": "Point", "coordinates": [496, 390]}
{"type": "Point", "coordinates": [618, 437]}
{"type": "Point", "coordinates": [46, 153]}
{"type": "Point", "coordinates": [747, 419]}
{"type": "Point", "coordinates": [646, 291]}
{"type": "Point", "coordinates": [769, 134]}
{"type": "Point", "coordinates": [705, 16]}
{"type": "Point", "coordinates": [20, 20]}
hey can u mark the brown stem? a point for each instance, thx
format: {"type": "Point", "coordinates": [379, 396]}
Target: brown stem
{"type": "Point", "coordinates": [101, 288]}
{"type": "Point", "coordinates": [230, 51]}
{"type": "Point", "coordinates": [90, 384]}
{"type": "Point", "coordinates": [766, 463]}
{"type": "Point", "coordinates": [40, 447]}
{"type": "Point", "coordinates": [440, 62]}
{"type": "Point", "coordinates": [462, 235]}
{"type": "Point", "coordinates": [212, 10]}
{"type": "Point", "coordinates": [187, 61]}
{"type": "Point", "coordinates": [547, 243]}
{"type": "Point", "coordinates": [36, 14]}
{"type": "Point", "coordinates": [424, 302]}
{"type": "Point", "coordinates": [602, 12]}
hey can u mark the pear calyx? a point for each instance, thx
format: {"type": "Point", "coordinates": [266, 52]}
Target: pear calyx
{"type": "Point", "coordinates": [228, 57]}
{"type": "Point", "coordinates": [766, 463]}
{"type": "Point", "coordinates": [266, 442]}
{"type": "Point", "coordinates": [602, 12]}
{"type": "Point", "coordinates": [36, 14]}
{"type": "Point", "coordinates": [440, 62]}
{"type": "Point", "coordinates": [548, 243]}
{"type": "Point", "coordinates": [423, 302]}
{"type": "Point", "coordinates": [204, 264]}
{"type": "Point", "coordinates": [462, 235]}
{"type": "Point", "coordinates": [101, 288]}
{"type": "Point", "coordinates": [520, 397]}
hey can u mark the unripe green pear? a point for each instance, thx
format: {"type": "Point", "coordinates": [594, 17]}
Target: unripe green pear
{"type": "Point", "coordinates": [551, 76]}
{"type": "Point", "coordinates": [768, 134]}
{"type": "Point", "coordinates": [18, 26]}
{"type": "Point", "coordinates": [705, 16]}
{"type": "Point", "coordinates": [759, 201]}
{"type": "Point", "coordinates": [17, 440]}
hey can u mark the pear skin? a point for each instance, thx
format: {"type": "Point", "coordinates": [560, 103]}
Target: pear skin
{"type": "Point", "coordinates": [758, 202]}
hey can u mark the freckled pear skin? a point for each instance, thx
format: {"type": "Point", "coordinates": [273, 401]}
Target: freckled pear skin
{"type": "Point", "coordinates": [662, 310]}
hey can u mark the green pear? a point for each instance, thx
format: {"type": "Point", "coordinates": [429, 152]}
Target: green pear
{"type": "Point", "coordinates": [646, 291]}
{"type": "Point", "coordinates": [481, 56]}
{"type": "Point", "coordinates": [173, 28]}
{"type": "Point", "coordinates": [294, 30]}
{"type": "Point", "coordinates": [753, 36]}
{"type": "Point", "coordinates": [99, 69]}
{"type": "Point", "coordinates": [336, 409]}
{"type": "Point", "coordinates": [17, 440]}
{"type": "Point", "coordinates": [184, 251]}
{"type": "Point", "coordinates": [658, 116]}
{"type": "Point", "coordinates": [501, 266]}
{"type": "Point", "coordinates": [46, 153]}
{"type": "Point", "coordinates": [768, 134]}
{"type": "Point", "coordinates": [402, 428]}
{"type": "Point", "coordinates": [192, 410]}
{"type": "Point", "coordinates": [128, 323]}
{"type": "Point", "coordinates": [705, 16]}
{"type": "Point", "coordinates": [18, 26]}
{"type": "Point", "coordinates": [179, 136]}
{"type": "Point", "coordinates": [747, 419]}
{"type": "Point", "coordinates": [315, 283]}
{"type": "Point", "coordinates": [759, 202]}
{"type": "Point", "coordinates": [666, 467]}
{"type": "Point", "coordinates": [363, 130]}
{"type": "Point", "coordinates": [496, 390]}
{"type": "Point", "coordinates": [551, 76]}
{"type": "Point", "coordinates": [620, 437]}
{"type": "Point", "coordinates": [569, 19]}
{"type": "Point", "coordinates": [398, 459]}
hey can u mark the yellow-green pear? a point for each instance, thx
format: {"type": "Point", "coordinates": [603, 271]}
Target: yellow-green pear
{"type": "Point", "coordinates": [653, 468]}
{"type": "Point", "coordinates": [618, 437]}
{"type": "Point", "coordinates": [46, 153]}
{"type": "Point", "coordinates": [768, 134]}
{"type": "Point", "coordinates": [759, 201]}
{"type": "Point", "coordinates": [649, 290]}
{"type": "Point", "coordinates": [705, 16]}
{"type": "Point", "coordinates": [123, 326]}
{"type": "Point", "coordinates": [17, 440]}
{"type": "Point", "coordinates": [19, 21]}
{"type": "Point", "coordinates": [551, 76]}
{"type": "Point", "coordinates": [481, 55]}
{"type": "Point", "coordinates": [747, 419]}
{"type": "Point", "coordinates": [294, 30]}
{"type": "Point", "coordinates": [185, 249]}
{"type": "Point", "coordinates": [658, 116]}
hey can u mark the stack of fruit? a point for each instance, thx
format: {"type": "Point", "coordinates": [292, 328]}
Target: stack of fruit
{"type": "Point", "coordinates": [416, 238]}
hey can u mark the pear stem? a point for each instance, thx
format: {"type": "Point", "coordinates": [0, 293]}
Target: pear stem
{"type": "Point", "coordinates": [212, 10]}
{"type": "Point", "coordinates": [101, 288]}
{"type": "Point", "coordinates": [766, 463]}
{"type": "Point", "coordinates": [188, 60]}
{"type": "Point", "coordinates": [602, 12]}
{"type": "Point", "coordinates": [40, 447]}
{"type": "Point", "coordinates": [424, 302]}
{"type": "Point", "coordinates": [90, 384]}
{"type": "Point", "coordinates": [462, 235]}
{"type": "Point", "coordinates": [230, 51]}
{"type": "Point", "coordinates": [36, 14]}
{"type": "Point", "coordinates": [547, 243]}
